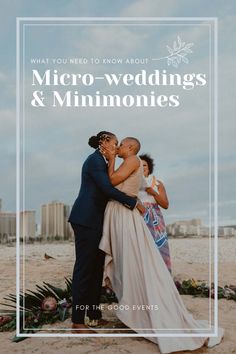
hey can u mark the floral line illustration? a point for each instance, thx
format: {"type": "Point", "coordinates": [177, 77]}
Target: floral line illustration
{"type": "Point", "coordinates": [178, 53]}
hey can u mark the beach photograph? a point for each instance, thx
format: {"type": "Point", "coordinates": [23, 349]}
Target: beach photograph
{"type": "Point", "coordinates": [190, 261]}
{"type": "Point", "coordinates": [117, 198]}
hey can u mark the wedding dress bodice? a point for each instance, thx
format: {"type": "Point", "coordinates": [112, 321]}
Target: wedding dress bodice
{"type": "Point", "coordinates": [133, 183]}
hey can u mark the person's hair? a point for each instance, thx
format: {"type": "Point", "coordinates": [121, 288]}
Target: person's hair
{"type": "Point", "coordinates": [136, 143]}
{"type": "Point", "coordinates": [149, 160]}
{"type": "Point", "coordinates": [95, 140]}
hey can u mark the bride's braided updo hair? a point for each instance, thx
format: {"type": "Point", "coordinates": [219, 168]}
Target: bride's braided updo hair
{"type": "Point", "coordinates": [96, 140]}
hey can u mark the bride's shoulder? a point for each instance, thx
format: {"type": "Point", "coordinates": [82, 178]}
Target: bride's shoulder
{"type": "Point", "coordinates": [133, 159]}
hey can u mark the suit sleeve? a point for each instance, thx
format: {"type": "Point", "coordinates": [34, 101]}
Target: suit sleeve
{"type": "Point", "coordinates": [99, 174]}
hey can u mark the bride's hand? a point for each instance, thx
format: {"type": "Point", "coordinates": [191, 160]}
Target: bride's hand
{"type": "Point", "coordinates": [141, 208]}
{"type": "Point", "coordinates": [109, 152]}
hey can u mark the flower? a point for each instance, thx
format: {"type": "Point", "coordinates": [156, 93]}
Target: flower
{"type": "Point", "coordinates": [177, 284]}
{"type": "Point", "coordinates": [4, 320]}
{"type": "Point", "coordinates": [228, 292]}
{"type": "Point", "coordinates": [108, 291]}
{"type": "Point", "coordinates": [49, 304]}
{"type": "Point", "coordinates": [193, 283]}
{"type": "Point", "coordinates": [63, 303]}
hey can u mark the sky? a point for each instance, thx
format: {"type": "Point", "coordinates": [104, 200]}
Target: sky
{"type": "Point", "coordinates": [177, 139]}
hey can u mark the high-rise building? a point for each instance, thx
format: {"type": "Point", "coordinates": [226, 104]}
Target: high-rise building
{"type": "Point", "coordinates": [27, 224]}
{"type": "Point", "coordinates": [7, 226]}
{"type": "Point", "coordinates": [54, 218]}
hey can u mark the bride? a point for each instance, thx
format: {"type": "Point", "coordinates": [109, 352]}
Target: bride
{"type": "Point", "coordinates": [147, 296]}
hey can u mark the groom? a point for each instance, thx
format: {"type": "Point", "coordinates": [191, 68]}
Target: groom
{"type": "Point", "coordinates": [86, 219]}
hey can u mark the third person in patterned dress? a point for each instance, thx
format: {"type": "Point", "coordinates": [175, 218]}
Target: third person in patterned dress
{"type": "Point", "coordinates": [153, 196]}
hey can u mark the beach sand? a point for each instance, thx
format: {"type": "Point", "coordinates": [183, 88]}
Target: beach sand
{"type": "Point", "coordinates": [190, 259]}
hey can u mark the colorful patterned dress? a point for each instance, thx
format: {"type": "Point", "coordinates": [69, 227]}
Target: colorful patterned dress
{"type": "Point", "coordinates": [154, 219]}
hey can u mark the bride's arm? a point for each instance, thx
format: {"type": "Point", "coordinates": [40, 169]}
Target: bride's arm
{"type": "Point", "coordinates": [122, 173]}
{"type": "Point", "coordinates": [128, 166]}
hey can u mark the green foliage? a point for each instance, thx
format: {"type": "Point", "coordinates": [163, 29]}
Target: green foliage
{"type": "Point", "coordinates": [35, 313]}
{"type": "Point", "coordinates": [201, 289]}
{"type": "Point", "coordinates": [31, 306]}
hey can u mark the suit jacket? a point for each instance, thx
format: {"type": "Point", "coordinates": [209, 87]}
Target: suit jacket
{"type": "Point", "coordinates": [95, 191]}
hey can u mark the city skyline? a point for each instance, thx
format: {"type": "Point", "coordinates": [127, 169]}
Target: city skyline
{"type": "Point", "coordinates": [53, 223]}
{"type": "Point", "coordinates": [54, 215]}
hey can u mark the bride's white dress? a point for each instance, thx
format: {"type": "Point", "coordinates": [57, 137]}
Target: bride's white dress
{"type": "Point", "coordinates": [148, 298]}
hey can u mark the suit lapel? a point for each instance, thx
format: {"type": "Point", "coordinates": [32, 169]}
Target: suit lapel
{"type": "Point", "coordinates": [97, 152]}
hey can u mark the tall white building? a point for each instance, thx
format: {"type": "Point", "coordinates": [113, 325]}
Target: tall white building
{"type": "Point", "coordinates": [192, 227]}
{"type": "Point", "coordinates": [54, 218]}
{"type": "Point", "coordinates": [27, 224]}
{"type": "Point", "coordinates": [7, 226]}
{"type": "Point", "coordinates": [226, 231]}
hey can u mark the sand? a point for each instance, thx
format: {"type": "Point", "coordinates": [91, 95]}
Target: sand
{"type": "Point", "coordinates": [189, 259]}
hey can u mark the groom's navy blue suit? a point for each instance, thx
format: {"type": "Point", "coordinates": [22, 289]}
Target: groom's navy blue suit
{"type": "Point", "coordinates": [86, 218]}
